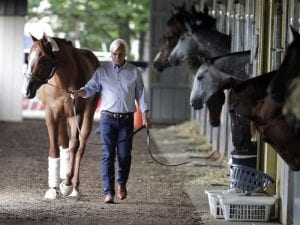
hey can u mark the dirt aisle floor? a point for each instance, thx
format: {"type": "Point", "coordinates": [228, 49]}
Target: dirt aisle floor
{"type": "Point", "coordinates": [157, 195]}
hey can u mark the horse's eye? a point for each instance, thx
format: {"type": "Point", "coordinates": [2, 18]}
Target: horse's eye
{"type": "Point", "coordinates": [41, 60]}
{"type": "Point", "coordinates": [199, 77]}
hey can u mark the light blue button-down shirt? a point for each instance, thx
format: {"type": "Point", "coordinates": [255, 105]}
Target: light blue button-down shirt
{"type": "Point", "coordinates": [119, 88]}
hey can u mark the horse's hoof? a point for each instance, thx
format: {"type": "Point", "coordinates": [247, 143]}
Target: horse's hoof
{"type": "Point", "coordinates": [75, 193]}
{"type": "Point", "coordinates": [64, 189]}
{"type": "Point", "coordinates": [51, 194]}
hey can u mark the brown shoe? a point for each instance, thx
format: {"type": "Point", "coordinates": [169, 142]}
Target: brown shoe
{"type": "Point", "coordinates": [122, 192]}
{"type": "Point", "coordinates": [109, 199]}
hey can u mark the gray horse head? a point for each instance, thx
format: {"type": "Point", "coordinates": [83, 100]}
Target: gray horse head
{"type": "Point", "coordinates": [217, 74]}
{"type": "Point", "coordinates": [186, 47]}
{"type": "Point", "coordinates": [202, 42]}
{"type": "Point", "coordinates": [207, 81]}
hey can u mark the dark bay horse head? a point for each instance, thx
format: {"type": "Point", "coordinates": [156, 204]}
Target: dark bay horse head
{"type": "Point", "coordinates": [200, 41]}
{"type": "Point", "coordinates": [242, 100]}
{"type": "Point", "coordinates": [216, 74]}
{"type": "Point", "coordinates": [268, 116]}
{"type": "Point", "coordinates": [41, 64]}
{"type": "Point", "coordinates": [285, 88]}
{"type": "Point", "coordinates": [275, 131]}
{"type": "Point", "coordinates": [176, 26]}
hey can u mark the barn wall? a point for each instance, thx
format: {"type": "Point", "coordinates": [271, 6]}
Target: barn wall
{"type": "Point", "coordinates": [11, 59]}
{"type": "Point", "coordinates": [12, 22]}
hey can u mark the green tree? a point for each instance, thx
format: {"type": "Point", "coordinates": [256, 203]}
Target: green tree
{"type": "Point", "coordinates": [93, 22]}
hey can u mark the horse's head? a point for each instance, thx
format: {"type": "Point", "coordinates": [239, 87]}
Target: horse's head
{"type": "Point", "coordinates": [240, 109]}
{"type": "Point", "coordinates": [178, 24]}
{"type": "Point", "coordinates": [186, 47]}
{"type": "Point", "coordinates": [214, 105]}
{"type": "Point", "coordinates": [174, 28]}
{"type": "Point", "coordinates": [161, 61]}
{"type": "Point", "coordinates": [207, 81]}
{"type": "Point", "coordinates": [41, 65]}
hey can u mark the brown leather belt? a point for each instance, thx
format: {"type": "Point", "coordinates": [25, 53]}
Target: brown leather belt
{"type": "Point", "coordinates": [117, 115]}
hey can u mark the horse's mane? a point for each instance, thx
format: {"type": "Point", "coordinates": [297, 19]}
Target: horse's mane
{"type": "Point", "coordinates": [62, 40]}
{"type": "Point", "coordinates": [46, 48]}
{"type": "Point", "coordinates": [195, 20]}
{"type": "Point", "coordinates": [179, 18]}
{"type": "Point", "coordinates": [256, 83]}
{"type": "Point", "coordinates": [212, 59]}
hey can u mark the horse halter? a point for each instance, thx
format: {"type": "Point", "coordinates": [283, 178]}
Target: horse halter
{"type": "Point", "coordinates": [51, 74]}
{"type": "Point", "coordinates": [55, 49]}
{"type": "Point", "coordinates": [241, 116]}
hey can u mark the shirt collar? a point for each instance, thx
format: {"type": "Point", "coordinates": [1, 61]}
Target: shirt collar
{"type": "Point", "coordinates": [118, 67]}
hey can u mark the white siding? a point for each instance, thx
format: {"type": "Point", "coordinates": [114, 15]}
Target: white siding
{"type": "Point", "coordinates": [11, 63]}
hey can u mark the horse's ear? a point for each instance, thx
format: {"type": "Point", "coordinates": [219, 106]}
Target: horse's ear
{"type": "Point", "coordinates": [188, 26]}
{"type": "Point", "coordinates": [176, 9]}
{"type": "Point", "coordinates": [44, 38]}
{"type": "Point", "coordinates": [33, 37]}
{"type": "Point", "coordinates": [194, 8]}
{"type": "Point", "coordinates": [295, 33]}
{"type": "Point", "coordinates": [205, 10]}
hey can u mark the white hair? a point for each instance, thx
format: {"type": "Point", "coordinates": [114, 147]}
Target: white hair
{"type": "Point", "coordinates": [117, 43]}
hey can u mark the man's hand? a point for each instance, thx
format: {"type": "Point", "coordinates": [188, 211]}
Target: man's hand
{"type": "Point", "coordinates": [78, 93]}
{"type": "Point", "coordinates": [146, 120]}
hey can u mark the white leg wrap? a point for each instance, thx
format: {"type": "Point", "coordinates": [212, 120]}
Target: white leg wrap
{"type": "Point", "coordinates": [53, 172]}
{"type": "Point", "coordinates": [51, 194]}
{"type": "Point", "coordinates": [64, 161]}
{"type": "Point", "coordinates": [53, 178]}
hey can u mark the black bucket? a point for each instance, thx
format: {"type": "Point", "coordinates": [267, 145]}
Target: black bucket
{"type": "Point", "coordinates": [245, 160]}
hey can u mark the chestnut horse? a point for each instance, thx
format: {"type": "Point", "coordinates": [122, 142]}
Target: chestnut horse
{"type": "Point", "coordinates": [268, 115]}
{"type": "Point", "coordinates": [55, 68]}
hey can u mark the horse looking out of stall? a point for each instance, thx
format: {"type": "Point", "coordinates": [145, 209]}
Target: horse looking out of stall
{"type": "Point", "coordinates": [200, 41]}
{"type": "Point", "coordinates": [246, 100]}
{"type": "Point", "coordinates": [268, 116]}
{"type": "Point", "coordinates": [55, 68]}
{"type": "Point", "coordinates": [176, 26]}
{"type": "Point", "coordinates": [212, 78]}
{"type": "Point", "coordinates": [216, 74]}
{"type": "Point", "coordinates": [242, 100]}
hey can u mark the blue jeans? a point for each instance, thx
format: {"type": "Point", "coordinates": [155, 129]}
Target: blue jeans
{"type": "Point", "coordinates": [113, 130]}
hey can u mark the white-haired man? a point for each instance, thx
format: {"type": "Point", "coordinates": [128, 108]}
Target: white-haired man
{"type": "Point", "coordinates": [120, 85]}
